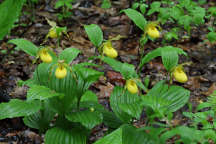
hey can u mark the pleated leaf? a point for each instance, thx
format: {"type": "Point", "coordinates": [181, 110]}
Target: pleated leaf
{"type": "Point", "coordinates": [58, 135]}
{"type": "Point", "coordinates": [124, 104]}
{"type": "Point", "coordinates": [41, 93]}
{"type": "Point", "coordinates": [95, 34]}
{"type": "Point", "coordinates": [167, 58]}
{"type": "Point", "coordinates": [127, 70]}
{"type": "Point", "coordinates": [9, 13]}
{"type": "Point", "coordinates": [132, 135]}
{"type": "Point", "coordinates": [164, 99]}
{"type": "Point", "coordinates": [136, 17]}
{"type": "Point", "coordinates": [87, 118]}
{"type": "Point", "coordinates": [113, 138]}
{"type": "Point", "coordinates": [41, 119]}
{"type": "Point", "coordinates": [18, 108]}
{"type": "Point", "coordinates": [69, 54]}
{"type": "Point", "coordinates": [26, 46]}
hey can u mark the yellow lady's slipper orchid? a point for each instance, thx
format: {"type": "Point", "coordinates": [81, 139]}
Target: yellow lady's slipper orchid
{"type": "Point", "coordinates": [109, 51]}
{"type": "Point", "coordinates": [153, 32]}
{"type": "Point", "coordinates": [52, 33]}
{"type": "Point", "coordinates": [60, 72]}
{"type": "Point", "coordinates": [180, 75]}
{"type": "Point", "coordinates": [131, 86]}
{"type": "Point", "coordinates": [45, 56]}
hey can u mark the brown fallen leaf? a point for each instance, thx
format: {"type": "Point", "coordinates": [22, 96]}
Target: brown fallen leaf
{"type": "Point", "coordinates": [210, 90]}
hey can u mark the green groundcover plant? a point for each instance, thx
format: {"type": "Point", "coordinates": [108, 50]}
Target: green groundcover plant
{"type": "Point", "coordinates": [60, 104]}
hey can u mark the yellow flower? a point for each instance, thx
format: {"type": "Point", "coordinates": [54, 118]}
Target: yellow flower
{"type": "Point", "coordinates": [153, 32]}
{"type": "Point", "coordinates": [131, 86]}
{"type": "Point", "coordinates": [45, 56]}
{"type": "Point", "coordinates": [52, 33]}
{"type": "Point", "coordinates": [60, 72]}
{"type": "Point", "coordinates": [180, 75]}
{"type": "Point", "coordinates": [109, 51]}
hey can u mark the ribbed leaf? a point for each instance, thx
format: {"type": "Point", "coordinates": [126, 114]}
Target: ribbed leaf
{"type": "Point", "coordinates": [136, 17]}
{"type": "Point", "coordinates": [110, 119]}
{"type": "Point", "coordinates": [18, 108]}
{"type": "Point", "coordinates": [127, 70]}
{"type": "Point", "coordinates": [89, 96]}
{"type": "Point", "coordinates": [113, 138]}
{"type": "Point", "coordinates": [41, 93]}
{"type": "Point", "coordinates": [167, 57]}
{"type": "Point", "coordinates": [69, 54]}
{"type": "Point", "coordinates": [40, 120]}
{"type": "Point", "coordinates": [26, 46]}
{"type": "Point", "coordinates": [58, 135]}
{"type": "Point", "coordinates": [73, 86]}
{"type": "Point", "coordinates": [95, 34]}
{"type": "Point", "coordinates": [9, 12]}
{"type": "Point", "coordinates": [124, 104]}
{"type": "Point", "coordinates": [163, 99]}
{"type": "Point", "coordinates": [188, 135]}
{"type": "Point", "coordinates": [132, 135]}
{"type": "Point", "coordinates": [87, 118]}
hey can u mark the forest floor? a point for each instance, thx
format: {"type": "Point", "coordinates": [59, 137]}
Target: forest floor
{"type": "Point", "coordinates": [16, 65]}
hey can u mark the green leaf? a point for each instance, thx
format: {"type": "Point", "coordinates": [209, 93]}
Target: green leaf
{"type": "Point", "coordinates": [40, 120]}
{"type": "Point", "coordinates": [164, 99]}
{"type": "Point", "coordinates": [89, 96]}
{"type": "Point", "coordinates": [95, 34]}
{"type": "Point", "coordinates": [87, 118]}
{"type": "Point", "coordinates": [59, 135]}
{"type": "Point", "coordinates": [9, 12]}
{"type": "Point", "coordinates": [155, 6]}
{"type": "Point", "coordinates": [211, 36]}
{"type": "Point", "coordinates": [106, 4]}
{"type": "Point", "coordinates": [127, 70]}
{"type": "Point", "coordinates": [188, 135]}
{"type": "Point", "coordinates": [111, 120]}
{"type": "Point", "coordinates": [69, 54]}
{"type": "Point", "coordinates": [41, 93]}
{"type": "Point", "coordinates": [132, 135]}
{"type": "Point", "coordinates": [26, 46]}
{"type": "Point", "coordinates": [169, 58]}
{"type": "Point", "coordinates": [136, 17]}
{"type": "Point", "coordinates": [18, 108]}
{"type": "Point", "coordinates": [124, 104]}
{"type": "Point", "coordinates": [113, 138]}
{"type": "Point", "coordinates": [167, 50]}
{"type": "Point", "coordinates": [185, 21]}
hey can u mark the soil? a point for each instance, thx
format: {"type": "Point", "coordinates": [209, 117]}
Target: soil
{"type": "Point", "coordinates": [16, 65]}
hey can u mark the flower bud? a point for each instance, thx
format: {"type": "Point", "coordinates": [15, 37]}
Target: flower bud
{"type": "Point", "coordinates": [45, 56]}
{"type": "Point", "coordinates": [60, 72]}
{"type": "Point", "coordinates": [180, 75]}
{"type": "Point", "coordinates": [131, 86]}
{"type": "Point", "coordinates": [153, 32]}
{"type": "Point", "coordinates": [52, 33]}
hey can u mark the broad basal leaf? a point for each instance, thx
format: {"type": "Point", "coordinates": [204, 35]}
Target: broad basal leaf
{"type": "Point", "coordinates": [69, 54]}
{"type": "Point", "coordinates": [95, 34]}
{"type": "Point", "coordinates": [113, 138]}
{"type": "Point", "coordinates": [164, 99]}
{"type": "Point", "coordinates": [59, 135]}
{"type": "Point", "coordinates": [136, 17]}
{"type": "Point", "coordinates": [9, 12]}
{"type": "Point", "coordinates": [124, 104]}
{"type": "Point", "coordinates": [87, 118]}
{"type": "Point", "coordinates": [41, 93]}
{"type": "Point", "coordinates": [41, 119]}
{"type": "Point", "coordinates": [18, 108]}
{"type": "Point", "coordinates": [26, 46]}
